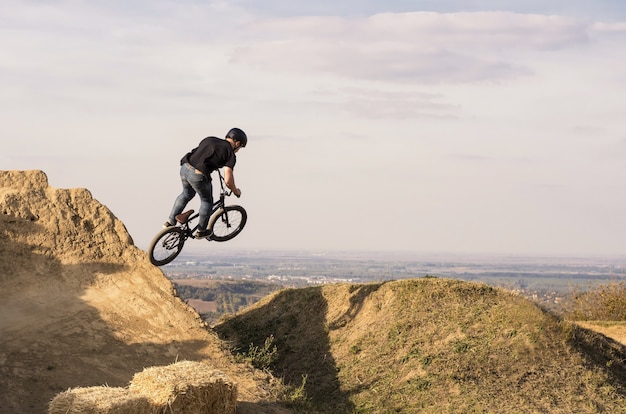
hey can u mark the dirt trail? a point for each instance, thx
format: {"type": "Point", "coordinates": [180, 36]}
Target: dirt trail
{"type": "Point", "coordinates": [80, 305]}
{"type": "Point", "coordinates": [615, 331]}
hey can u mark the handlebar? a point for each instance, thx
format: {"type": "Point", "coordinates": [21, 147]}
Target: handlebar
{"type": "Point", "coordinates": [224, 191]}
{"type": "Point", "coordinates": [229, 193]}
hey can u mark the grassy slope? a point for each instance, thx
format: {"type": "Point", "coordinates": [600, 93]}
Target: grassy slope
{"type": "Point", "coordinates": [432, 345]}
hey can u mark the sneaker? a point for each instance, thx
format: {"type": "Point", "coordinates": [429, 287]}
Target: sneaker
{"type": "Point", "coordinates": [202, 234]}
{"type": "Point", "coordinates": [167, 224]}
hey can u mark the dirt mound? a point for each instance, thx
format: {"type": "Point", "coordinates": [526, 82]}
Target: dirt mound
{"type": "Point", "coordinates": [80, 305]}
{"type": "Point", "coordinates": [432, 345]}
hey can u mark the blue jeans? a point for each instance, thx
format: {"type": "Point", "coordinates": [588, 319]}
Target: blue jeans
{"type": "Point", "coordinates": [194, 183]}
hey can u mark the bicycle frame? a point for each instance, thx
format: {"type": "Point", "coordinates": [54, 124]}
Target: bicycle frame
{"type": "Point", "coordinates": [189, 231]}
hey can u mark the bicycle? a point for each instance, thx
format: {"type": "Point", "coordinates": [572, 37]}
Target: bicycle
{"type": "Point", "coordinates": [225, 223]}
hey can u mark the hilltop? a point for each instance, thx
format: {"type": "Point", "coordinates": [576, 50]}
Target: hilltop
{"type": "Point", "coordinates": [81, 306]}
{"type": "Point", "coordinates": [431, 345]}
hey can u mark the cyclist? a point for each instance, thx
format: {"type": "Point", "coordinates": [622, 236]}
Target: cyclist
{"type": "Point", "coordinates": [195, 173]}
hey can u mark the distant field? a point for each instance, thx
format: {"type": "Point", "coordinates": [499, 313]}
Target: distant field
{"type": "Point", "coordinates": [298, 269]}
{"type": "Point", "coordinates": [545, 280]}
{"type": "Point", "coordinates": [201, 283]}
{"type": "Point", "coordinates": [202, 306]}
{"type": "Point", "coordinates": [213, 298]}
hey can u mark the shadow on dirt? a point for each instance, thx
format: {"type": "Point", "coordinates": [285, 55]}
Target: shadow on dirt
{"type": "Point", "coordinates": [296, 318]}
{"type": "Point", "coordinates": [602, 351]}
{"type": "Point", "coordinates": [50, 338]}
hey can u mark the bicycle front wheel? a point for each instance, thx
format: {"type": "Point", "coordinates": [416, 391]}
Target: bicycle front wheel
{"type": "Point", "coordinates": [227, 223]}
{"type": "Point", "coordinates": [166, 245]}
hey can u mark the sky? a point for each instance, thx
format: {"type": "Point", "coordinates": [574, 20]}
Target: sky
{"type": "Point", "coordinates": [491, 127]}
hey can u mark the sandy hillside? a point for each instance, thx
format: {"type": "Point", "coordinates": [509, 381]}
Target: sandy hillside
{"type": "Point", "coordinates": [80, 305]}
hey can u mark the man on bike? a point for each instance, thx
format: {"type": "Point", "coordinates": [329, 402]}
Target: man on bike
{"type": "Point", "coordinates": [195, 173]}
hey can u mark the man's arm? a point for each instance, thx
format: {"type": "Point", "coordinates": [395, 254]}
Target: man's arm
{"type": "Point", "coordinates": [229, 179]}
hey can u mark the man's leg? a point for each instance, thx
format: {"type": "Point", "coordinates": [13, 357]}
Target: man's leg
{"type": "Point", "coordinates": [202, 185]}
{"type": "Point", "coordinates": [184, 197]}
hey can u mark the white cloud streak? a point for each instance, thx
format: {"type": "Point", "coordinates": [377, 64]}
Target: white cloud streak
{"type": "Point", "coordinates": [615, 27]}
{"type": "Point", "coordinates": [419, 47]}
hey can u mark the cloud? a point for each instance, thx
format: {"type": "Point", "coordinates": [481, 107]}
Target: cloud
{"type": "Point", "coordinates": [115, 46]}
{"type": "Point", "coordinates": [422, 47]}
{"type": "Point", "coordinates": [112, 55]}
{"type": "Point", "coordinates": [588, 130]}
{"type": "Point", "coordinates": [612, 28]}
{"type": "Point", "coordinates": [374, 103]}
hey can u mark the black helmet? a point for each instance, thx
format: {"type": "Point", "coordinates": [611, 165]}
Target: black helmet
{"type": "Point", "coordinates": [238, 135]}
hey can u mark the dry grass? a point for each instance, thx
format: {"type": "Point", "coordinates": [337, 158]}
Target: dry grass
{"type": "Point", "coordinates": [431, 345]}
{"type": "Point", "coordinates": [99, 400]}
{"type": "Point", "coordinates": [602, 303]}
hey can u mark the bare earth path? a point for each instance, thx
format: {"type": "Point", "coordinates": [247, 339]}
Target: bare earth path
{"type": "Point", "coordinates": [615, 330]}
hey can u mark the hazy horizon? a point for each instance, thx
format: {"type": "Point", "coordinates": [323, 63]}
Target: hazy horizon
{"type": "Point", "coordinates": [454, 127]}
{"type": "Point", "coordinates": [214, 251]}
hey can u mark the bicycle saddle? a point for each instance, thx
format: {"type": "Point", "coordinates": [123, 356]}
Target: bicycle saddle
{"type": "Point", "coordinates": [183, 217]}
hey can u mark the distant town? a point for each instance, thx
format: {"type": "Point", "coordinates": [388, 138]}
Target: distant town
{"type": "Point", "coordinates": [543, 279]}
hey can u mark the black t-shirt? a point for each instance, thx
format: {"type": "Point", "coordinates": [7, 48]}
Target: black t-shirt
{"type": "Point", "coordinates": [212, 153]}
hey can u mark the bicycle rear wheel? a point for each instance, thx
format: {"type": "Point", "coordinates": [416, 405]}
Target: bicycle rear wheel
{"type": "Point", "coordinates": [166, 245]}
{"type": "Point", "coordinates": [227, 223]}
